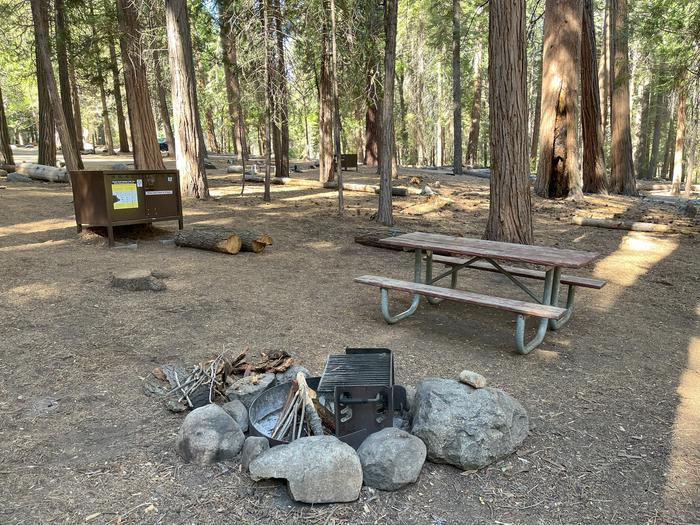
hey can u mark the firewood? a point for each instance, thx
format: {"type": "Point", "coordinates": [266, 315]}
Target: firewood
{"type": "Point", "coordinates": [311, 415]}
{"type": "Point", "coordinates": [215, 240]}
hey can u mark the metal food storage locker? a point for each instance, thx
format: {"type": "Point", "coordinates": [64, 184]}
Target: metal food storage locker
{"type": "Point", "coordinates": [123, 197]}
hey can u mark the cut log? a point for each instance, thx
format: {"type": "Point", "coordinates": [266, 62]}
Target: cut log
{"type": "Point", "coordinates": [215, 240]}
{"type": "Point", "coordinates": [623, 225]}
{"type": "Point", "coordinates": [251, 241]}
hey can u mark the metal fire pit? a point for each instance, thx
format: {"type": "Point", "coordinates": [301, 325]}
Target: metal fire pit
{"type": "Point", "coordinates": [358, 387]}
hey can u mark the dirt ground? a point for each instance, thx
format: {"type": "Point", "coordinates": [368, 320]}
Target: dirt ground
{"type": "Point", "coordinates": [613, 398]}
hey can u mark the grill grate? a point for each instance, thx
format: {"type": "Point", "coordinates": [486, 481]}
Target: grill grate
{"type": "Point", "coordinates": [374, 368]}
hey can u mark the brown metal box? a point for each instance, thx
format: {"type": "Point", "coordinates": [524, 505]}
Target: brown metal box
{"type": "Point", "coordinates": [119, 198]}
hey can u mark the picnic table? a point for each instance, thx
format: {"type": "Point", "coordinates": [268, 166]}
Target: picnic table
{"type": "Point", "coordinates": [457, 253]}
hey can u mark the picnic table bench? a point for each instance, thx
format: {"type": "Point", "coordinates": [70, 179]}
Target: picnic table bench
{"type": "Point", "coordinates": [458, 253]}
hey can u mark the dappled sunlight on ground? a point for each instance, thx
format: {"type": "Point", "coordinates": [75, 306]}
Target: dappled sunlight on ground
{"type": "Point", "coordinates": [683, 471]}
{"type": "Point", "coordinates": [636, 254]}
{"type": "Point", "coordinates": [33, 246]}
{"type": "Point", "coordinates": [37, 226]}
{"type": "Point", "coordinates": [30, 293]}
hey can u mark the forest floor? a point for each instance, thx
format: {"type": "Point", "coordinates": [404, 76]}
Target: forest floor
{"type": "Point", "coordinates": [613, 398]}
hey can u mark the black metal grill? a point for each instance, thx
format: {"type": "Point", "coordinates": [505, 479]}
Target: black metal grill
{"type": "Point", "coordinates": [358, 366]}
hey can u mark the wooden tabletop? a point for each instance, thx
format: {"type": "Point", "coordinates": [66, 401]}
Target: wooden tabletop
{"type": "Point", "coordinates": [505, 251]}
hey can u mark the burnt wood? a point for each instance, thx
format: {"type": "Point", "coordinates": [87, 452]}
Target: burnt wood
{"type": "Point", "coordinates": [462, 246]}
{"type": "Point", "coordinates": [573, 280]}
{"type": "Point", "coordinates": [499, 303]}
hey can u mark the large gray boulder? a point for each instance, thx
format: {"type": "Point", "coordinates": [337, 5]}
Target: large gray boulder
{"type": "Point", "coordinates": [250, 387]}
{"type": "Point", "coordinates": [319, 469]}
{"type": "Point", "coordinates": [16, 177]}
{"type": "Point", "coordinates": [391, 459]}
{"type": "Point", "coordinates": [252, 448]}
{"type": "Point", "coordinates": [238, 412]}
{"type": "Point", "coordinates": [467, 427]}
{"type": "Point", "coordinates": [209, 435]}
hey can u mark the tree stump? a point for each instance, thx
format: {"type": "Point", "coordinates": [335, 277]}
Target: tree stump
{"type": "Point", "coordinates": [137, 280]}
{"type": "Point", "coordinates": [215, 240]}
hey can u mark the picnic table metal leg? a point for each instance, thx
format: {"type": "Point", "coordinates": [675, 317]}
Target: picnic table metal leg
{"type": "Point", "coordinates": [556, 324]}
{"type": "Point", "coordinates": [384, 294]}
{"type": "Point", "coordinates": [429, 276]}
{"type": "Point", "coordinates": [522, 347]}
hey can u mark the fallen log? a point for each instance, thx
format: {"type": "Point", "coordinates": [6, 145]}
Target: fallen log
{"type": "Point", "coordinates": [41, 172]}
{"type": "Point", "coordinates": [250, 241]}
{"type": "Point", "coordinates": [623, 225]}
{"type": "Point", "coordinates": [215, 240]}
{"type": "Point", "coordinates": [284, 181]}
{"type": "Point", "coordinates": [396, 191]}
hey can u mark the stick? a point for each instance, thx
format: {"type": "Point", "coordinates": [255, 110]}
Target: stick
{"type": "Point", "coordinates": [312, 416]}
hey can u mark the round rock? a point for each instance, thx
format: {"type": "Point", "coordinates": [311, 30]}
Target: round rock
{"type": "Point", "coordinates": [252, 448]}
{"type": "Point", "coordinates": [250, 387]}
{"type": "Point", "coordinates": [467, 427]}
{"type": "Point", "coordinates": [238, 412]}
{"type": "Point", "coordinates": [391, 459]}
{"type": "Point", "coordinates": [291, 373]}
{"type": "Point", "coordinates": [209, 435]}
{"type": "Point", "coordinates": [319, 469]}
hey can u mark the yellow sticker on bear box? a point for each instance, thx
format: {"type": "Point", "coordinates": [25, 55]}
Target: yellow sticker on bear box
{"type": "Point", "coordinates": [124, 195]}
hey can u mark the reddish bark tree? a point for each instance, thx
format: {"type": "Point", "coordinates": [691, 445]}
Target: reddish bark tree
{"type": "Point", "coordinates": [510, 216]}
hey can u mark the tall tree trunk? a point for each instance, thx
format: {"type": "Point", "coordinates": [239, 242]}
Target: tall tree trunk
{"type": "Point", "coordinates": [163, 103]}
{"type": "Point", "coordinates": [68, 146]}
{"type": "Point", "coordinates": [62, 42]}
{"type": "Point", "coordinates": [641, 158]}
{"type": "Point", "coordinates": [680, 143]}
{"type": "Point", "coordinates": [593, 138]}
{"type": "Point", "coordinates": [282, 99]}
{"type": "Point", "coordinates": [47, 125]}
{"type": "Point", "coordinates": [473, 145]}
{"type": "Point", "coordinates": [622, 177]}
{"type": "Point", "coordinates": [77, 115]}
{"type": "Point", "coordinates": [325, 111]}
{"type": "Point", "coordinates": [439, 148]}
{"type": "Point", "coordinates": [143, 128]}
{"type": "Point", "coordinates": [667, 165]}
{"type": "Point", "coordinates": [385, 211]}
{"type": "Point", "coordinates": [188, 142]}
{"type": "Point", "coordinates": [403, 131]}
{"type": "Point", "coordinates": [659, 110]}
{"type": "Point", "coordinates": [231, 74]}
{"type": "Point", "coordinates": [211, 131]}
{"type": "Point", "coordinates": [559, 166]}
{"type": "Point", "coordinates": [117, 92]}
{"type": "Point", "coordinates": [604, 69]}
{"type": "Point", "coordinates": [337, 126]}
{"type": "Point", "coordinates": [535, 139]}
{"type": "Point", "coordinates": [456, 88]}
{"type": "Point", "coordinates": [267, 197]}
{"type": "Point", "coordinates": [510, 215]}
{"type": "Point", "coordinates": [5, 147]}
{"type": "Point", "coordinates": [105, 116]}
{"type": "Point", "coordinates": [371, 156]}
